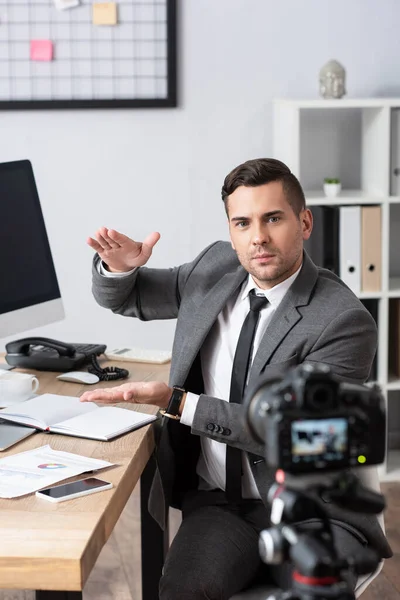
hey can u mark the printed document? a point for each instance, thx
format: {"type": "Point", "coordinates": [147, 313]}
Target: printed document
{"type": "Point", "coordinates": [33, 470]}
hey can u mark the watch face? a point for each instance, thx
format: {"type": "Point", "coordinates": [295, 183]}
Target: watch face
{"type": "Point", "coordinates": [175, 402]}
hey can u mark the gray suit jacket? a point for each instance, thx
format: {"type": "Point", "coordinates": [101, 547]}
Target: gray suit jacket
{"type": "Point", "coordinates": [319, 320]}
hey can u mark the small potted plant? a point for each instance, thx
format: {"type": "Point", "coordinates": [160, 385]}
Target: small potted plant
{"type": "Point", "coordinates": [332, 186]}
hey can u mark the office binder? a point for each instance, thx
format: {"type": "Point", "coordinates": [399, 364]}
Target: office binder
{"type": "Point", "coordinates": [371, 248]}
{"type": "Point", "coordinates": [350, 247]}
{"type": "Point", "coordinates": [323, 245]}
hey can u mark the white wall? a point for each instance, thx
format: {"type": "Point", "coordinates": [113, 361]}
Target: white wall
{"type": "Point", "coordinates": [145, 170]}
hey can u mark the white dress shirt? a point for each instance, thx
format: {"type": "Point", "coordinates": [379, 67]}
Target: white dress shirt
{"type": "Point", "coordinates": [217, 354]}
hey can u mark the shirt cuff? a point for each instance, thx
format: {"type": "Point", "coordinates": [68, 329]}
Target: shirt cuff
{"type": "Point", "coordinates": [189, 409]}
{"type": "Point", "coordinates": [103, 271]}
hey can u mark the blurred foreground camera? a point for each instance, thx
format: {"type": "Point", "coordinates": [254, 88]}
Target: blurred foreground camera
{"type": "Point", "coordinates": [309, 421]}
{"type": "Point", "coordinates": [313, 428]}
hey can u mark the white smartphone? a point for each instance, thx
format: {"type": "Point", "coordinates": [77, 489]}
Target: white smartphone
{"type": "Point", "coordinates": [67, 491]}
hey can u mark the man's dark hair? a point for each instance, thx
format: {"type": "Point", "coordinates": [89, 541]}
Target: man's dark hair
{"type": "Point", "coordinates": [259, 171]}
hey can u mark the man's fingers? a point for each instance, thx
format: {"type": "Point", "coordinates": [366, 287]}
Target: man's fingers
{"type": "Point", "coordinates": [138, 392]}
{"type": "Point", "coordinates": [117, 237]}
{"type": "Point", "coordinates": [110, 238]}
{"type": "Point", "coordinates": [102, 241]}
{"type": "Point", "coordinates": [121, 393]}
{"type": "Point", "coordinates": [94, 244]}
{"type": "Point", "coordinates": [111, 396]}
{"type": "Point", "coordinates": [112, 243]}
{"type": "Point", "coordinates": [152, 239]}
{"type": "Point", "coordinates": [149, 242]}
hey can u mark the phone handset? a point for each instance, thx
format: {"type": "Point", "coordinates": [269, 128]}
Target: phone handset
{"type": "Point", "coordinates": [21, 347]}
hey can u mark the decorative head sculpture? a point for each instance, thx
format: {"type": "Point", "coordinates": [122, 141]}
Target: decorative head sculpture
{"type": "Point", "coordinates": [332, 79]}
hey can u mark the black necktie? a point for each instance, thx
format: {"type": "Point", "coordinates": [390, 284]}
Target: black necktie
{"type": "Point", "coordinates": [240, 367]}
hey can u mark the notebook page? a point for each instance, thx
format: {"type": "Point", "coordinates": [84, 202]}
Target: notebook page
{"type": "Point", "coordinates": [47, 409]}
{"type": "Point", "coordinates": [105, 422]}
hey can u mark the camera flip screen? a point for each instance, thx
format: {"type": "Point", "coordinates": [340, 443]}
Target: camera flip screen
{"type": "Point", "coordinates": [319, 439]}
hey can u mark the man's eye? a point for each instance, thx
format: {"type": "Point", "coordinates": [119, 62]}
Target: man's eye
{"type": "Point", "coordinates": [241, 224]}
{"type": "Point", "coordinates": [274, 219]}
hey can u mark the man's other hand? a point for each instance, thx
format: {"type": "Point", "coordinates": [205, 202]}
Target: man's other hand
{"type": "Point", "coordinates": [156, 393]}
{"type": "Point", "coordinates": [119, 252]}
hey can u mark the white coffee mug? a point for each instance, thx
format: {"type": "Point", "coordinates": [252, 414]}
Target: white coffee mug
{"type": "Point", "coordinates": [16, 387]}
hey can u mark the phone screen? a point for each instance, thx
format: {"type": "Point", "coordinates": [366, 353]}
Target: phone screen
{"type": "Point", "coordinates": [74, 488]}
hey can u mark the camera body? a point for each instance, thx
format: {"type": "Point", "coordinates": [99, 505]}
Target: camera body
{"type": "Point", "coordinates": [309, 421]}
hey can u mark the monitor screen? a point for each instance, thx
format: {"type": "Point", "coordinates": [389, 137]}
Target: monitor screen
{"type": "Point", "coordinates": [30, 296]}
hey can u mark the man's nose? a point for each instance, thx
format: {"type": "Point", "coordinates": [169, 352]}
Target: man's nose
{"type": "Point", "coordinates": [260, 235]}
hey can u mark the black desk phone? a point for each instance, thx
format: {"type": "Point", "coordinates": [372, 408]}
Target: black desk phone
{"type": "Point", "coordinates": [44, 354]}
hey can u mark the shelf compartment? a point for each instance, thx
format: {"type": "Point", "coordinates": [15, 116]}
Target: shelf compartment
{"type": "Point", "coordinates": [394, 287]}
{"type": "Point", "coordinates": [330, 146]}
{"type": "Point", "coordinates": [394, 248]}
{"type": "Point", "coordinates": [394, 341]}
{"type": "Point", "coordinates": [393, 384]}
{"type": "Point", "coordinates": [390, 471]}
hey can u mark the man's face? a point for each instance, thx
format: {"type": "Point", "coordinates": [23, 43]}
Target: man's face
{"type": "Point", "coordinates": [266, 233]}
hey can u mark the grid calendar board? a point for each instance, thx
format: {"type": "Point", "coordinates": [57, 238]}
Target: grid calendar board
{"type": "Point", "coordinates": [129, 64]}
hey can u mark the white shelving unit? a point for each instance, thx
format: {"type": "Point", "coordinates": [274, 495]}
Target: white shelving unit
{"type": "Point", "coordinates": [357, 140]}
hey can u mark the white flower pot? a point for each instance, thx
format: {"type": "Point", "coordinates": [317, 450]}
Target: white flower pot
{"type": "Point", "coordinates": [332, 189]}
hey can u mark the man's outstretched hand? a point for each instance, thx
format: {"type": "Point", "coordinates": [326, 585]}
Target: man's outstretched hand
{"type": "Point", "coordinates": [119, 252]}
{"type": "Point", "coordinates": [156, 393]}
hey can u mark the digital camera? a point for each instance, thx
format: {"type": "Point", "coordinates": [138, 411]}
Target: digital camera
{"type": "Point", "coordinates": [310, 421]}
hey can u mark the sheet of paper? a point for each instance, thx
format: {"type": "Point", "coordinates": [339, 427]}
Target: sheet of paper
{"type": "Point", "coordinates": [104, 13]}
{"type": "Point", "coordinates": [64, 4]}
{"type": "Point", "coordinates": [48, 409]}
{"type": "Point", "coordinates": [42, 50]}
{"type": "Point", "coordinates": [33, 470]}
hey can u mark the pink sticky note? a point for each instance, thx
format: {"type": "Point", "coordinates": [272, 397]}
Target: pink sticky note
{"type": "Point", "coordinates": [41, 50]}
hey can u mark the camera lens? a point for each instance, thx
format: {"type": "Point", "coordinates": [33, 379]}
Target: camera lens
{"type": "Point", "coordinates": [319, 396]}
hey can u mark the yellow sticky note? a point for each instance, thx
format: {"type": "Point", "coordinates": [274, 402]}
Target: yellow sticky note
{"type": "Point", "coordinates": [104, 13]}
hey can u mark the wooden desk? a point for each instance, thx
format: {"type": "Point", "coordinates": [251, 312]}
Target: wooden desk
{"type": "Point", "coordinates": [51, 548]}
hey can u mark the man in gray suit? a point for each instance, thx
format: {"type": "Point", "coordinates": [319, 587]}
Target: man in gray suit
{"type": "Point", "coordinates": [309, 315]}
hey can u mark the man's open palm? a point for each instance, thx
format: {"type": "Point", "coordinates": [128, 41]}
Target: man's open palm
{"type": "Point", "coordinates": [156, 393]}
{"type": "Point", "coordinates": [119, 252]}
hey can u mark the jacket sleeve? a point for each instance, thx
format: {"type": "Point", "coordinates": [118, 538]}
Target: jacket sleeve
{"type": "Point", "coordinates": [146, 294]}
{"type": "Point", "coordinates": [224, 422]}
{"type": "Point", "coordinates": [347, 345]}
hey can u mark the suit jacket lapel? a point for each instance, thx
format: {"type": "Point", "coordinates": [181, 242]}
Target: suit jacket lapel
{"type": "Point", "coordinates": [205, 317]}
{"type": "Point", "coordinates": [286, 315]}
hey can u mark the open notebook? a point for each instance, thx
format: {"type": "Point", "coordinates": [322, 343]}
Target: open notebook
{"type": "Point", "coordinates": [69, 416]}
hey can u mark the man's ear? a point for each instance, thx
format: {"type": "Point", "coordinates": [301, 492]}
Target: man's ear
{"type": "Point", "coordinates": [233, 246]}
{"type": "Point", "coordinates": [306, 223]}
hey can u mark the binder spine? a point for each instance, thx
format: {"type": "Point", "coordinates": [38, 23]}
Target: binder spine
{"type": "Point", "coordinates": [350, 247]}
{"type": "Point", "coordinates": [371, 248]}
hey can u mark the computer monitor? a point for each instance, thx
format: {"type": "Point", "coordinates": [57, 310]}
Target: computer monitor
{"type": "Point", "coordinates": [29, 292]}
